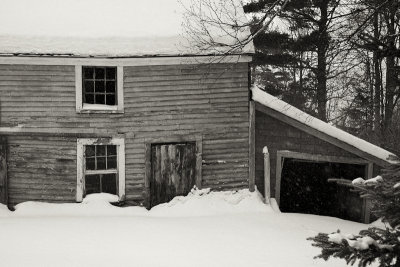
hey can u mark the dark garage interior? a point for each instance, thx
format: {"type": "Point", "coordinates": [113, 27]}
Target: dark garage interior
{"type": "Point", "coordinates": [305, 189]}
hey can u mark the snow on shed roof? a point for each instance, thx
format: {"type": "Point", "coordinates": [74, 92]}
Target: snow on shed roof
{"type": "Point", "coordinates": [119, 28]}
{"type": "Point", "coordinates": [276, 104]}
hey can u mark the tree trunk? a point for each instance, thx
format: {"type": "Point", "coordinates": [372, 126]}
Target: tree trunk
{"type": "Point", "coordinates": [377, 84]}
{"type": "Point", "coordinates": [390, 70]}
{"type": "Point", "coordinates": [370, 107]}
{"type": "Point", "coordinates": [322, 47]}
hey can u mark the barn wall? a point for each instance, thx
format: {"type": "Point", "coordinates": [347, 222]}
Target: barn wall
{"type": "Point", "coordinates": [207, 100]}
{"type": "Point", "coordinates": [277, 135]}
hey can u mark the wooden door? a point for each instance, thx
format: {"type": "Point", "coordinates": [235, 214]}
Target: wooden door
{"type": "Point", "coordinates": [3, 171]}
{"type": "Point", "coordinates": [173, 171]}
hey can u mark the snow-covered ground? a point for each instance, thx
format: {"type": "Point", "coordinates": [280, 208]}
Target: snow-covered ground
{"type": "Point", "coordinates": [203, 229]}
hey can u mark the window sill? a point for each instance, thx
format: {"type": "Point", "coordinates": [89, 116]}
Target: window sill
{"type": "Point", "coordinates": [94, 108]}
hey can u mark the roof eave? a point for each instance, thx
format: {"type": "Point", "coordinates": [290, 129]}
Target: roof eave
{"type": "Point", "coordinates": [325, 137]}
{"type": "Point", "coordinates": [58, 55]}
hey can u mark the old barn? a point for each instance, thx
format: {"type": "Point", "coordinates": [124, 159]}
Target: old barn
{"type": "Point", "coordinates": [89, 106]}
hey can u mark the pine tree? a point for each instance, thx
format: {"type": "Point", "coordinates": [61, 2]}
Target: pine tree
{"type": "Point", "coordinates": [373, 244]}
{"type": "Point", "coordinates": [278, 69]}
{"type": "Point", "coordinates": [307, 47]}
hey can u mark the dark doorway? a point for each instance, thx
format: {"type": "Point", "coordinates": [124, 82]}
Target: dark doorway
{"type": "Point", "coordinates": [305, 189]}
{"type": "Point", "coordinates": [173, 171]}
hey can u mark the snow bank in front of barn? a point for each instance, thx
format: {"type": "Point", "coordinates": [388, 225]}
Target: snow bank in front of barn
{"type": "Point", "coordinates": [4, 211]}
{"type": "Point", "coordinates": [205, 203]}
{"type": "Point", "coordinates": [92, 205]}
{"type": "Point", "coordinates": [101, 197]}
{"type": "Point", "coordinates": [197, 203]}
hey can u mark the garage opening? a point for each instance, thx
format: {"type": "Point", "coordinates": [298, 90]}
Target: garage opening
{"type": "Point", "coordinates": [305, 189]}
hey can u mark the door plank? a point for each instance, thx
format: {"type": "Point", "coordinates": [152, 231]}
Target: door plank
{"type": "Point", "coordinates": [173, 171]}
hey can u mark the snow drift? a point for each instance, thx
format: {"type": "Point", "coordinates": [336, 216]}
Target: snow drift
{"type": "Point", "coordinates": [197, 203]}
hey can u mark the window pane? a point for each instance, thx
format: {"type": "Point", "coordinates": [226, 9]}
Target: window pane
{"type": "Point", "coordinates": [90, 150]}
{"type": "Point", "coordinates": [90, 164]}
{"type": "Point", "coordinates": [112, 162]}
{"type": "Point", "coordinates": [88, 73]}
{"type": "Point", "coordinates": [92, 184]}
{"type": "Point", "coordinates": [100, 150]}
{"type": "Point", "coordinates": [110, 73]}
{"type": "Point", "coordinates": [99, 73]}
{"type": "Point", "coordinates": [88, 86]}
{"type": "Point", "coordinates": [110, 99]}
{"type": "Point", "coordinates": [100, 99]}
{"type": "Point", "coordinates": [89, 98]}
{"type": "Point", "coordinates": [100, 86]}
{"type": "Point", "coordinates": [101, 163]}
{"type": "Point", "coordinates": [109, 183]}
{"type": "Point", "coordinates": [110, 87]}
{"type": "Point", "coordinates": [111, 150]}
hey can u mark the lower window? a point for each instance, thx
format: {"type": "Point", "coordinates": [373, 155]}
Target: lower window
{"type": "Point", "coordinates": [101, 167]}
{"type": "Point", "coordinates": [101, 183]}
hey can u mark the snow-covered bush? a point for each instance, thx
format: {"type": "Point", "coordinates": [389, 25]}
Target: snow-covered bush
{"type": "Point", "coordinates": [373, 244]}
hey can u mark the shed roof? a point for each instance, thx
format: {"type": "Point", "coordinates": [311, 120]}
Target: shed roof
{"type": "Point", "coordinates": [337, 135]}
{"type": "Point", "coordinates": [112, 28]}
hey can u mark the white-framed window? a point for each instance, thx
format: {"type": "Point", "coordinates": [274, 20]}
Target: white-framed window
{"type": "Point", "coordinates": [99, 89]}
{"type": "Point", "coordinates": [100, 167]}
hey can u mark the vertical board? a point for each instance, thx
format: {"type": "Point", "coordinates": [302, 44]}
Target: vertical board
{"type": "Point", "coordinates": [173, 171]}
{"type": "Point", "coordinates": [252, 142]}
{"type": "Point", "coordinates": [3, 171]}
{"type": "Point", "coordinates": [369, 169]}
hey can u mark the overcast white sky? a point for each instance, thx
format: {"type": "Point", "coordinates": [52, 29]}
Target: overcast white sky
{"type": "Point", "coordinates": [90, 18]}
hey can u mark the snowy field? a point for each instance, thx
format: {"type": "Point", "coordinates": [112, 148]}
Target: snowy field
{"type": "Point", "coordinates": [203, 229]}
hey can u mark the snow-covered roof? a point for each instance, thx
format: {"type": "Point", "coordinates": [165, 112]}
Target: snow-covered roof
{"type": "Point", "coordinates": [114, 28]}
{"type": "Point", "coordinates": [274, 103]}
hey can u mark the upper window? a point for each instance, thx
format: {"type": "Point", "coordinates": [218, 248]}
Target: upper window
{"type": "Point", "coordinates": [99, 89]}
{"type": "Point", "coordinates": [99, 85]}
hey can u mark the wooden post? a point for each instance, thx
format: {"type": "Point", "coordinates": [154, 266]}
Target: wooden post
{"type": "Point", "coordinates": [267, 175]}
{"type": "Point", "coordinates": [278, 170]}
{"type": "Point", "coordinates": [366, 213]}
{"type": "Point", "coordinates": [199, 162]}
{"type": "Point", "coordinates": [252, 141]}
{"type": "Point", "coordinates": [147, 174]}
{"type": "Point", "coordinates": [3, 171]}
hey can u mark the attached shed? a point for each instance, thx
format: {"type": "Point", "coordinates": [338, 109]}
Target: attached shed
{"type": "Point", "coordinates": [304, 152]}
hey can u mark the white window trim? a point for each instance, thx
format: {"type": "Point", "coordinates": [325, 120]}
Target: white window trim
{"type": "Point", "coordinates": [92, 108]}
{"type": "Point", "coordinates": [80, 178]}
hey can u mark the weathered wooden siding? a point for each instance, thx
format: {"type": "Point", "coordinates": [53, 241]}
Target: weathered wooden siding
{"type": "Point", "coordinates": [210, 100]}
{"type": "Point", "coordinates": [277, 135]}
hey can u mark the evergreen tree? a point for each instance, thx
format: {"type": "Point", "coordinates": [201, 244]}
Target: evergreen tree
{"type": "Point", "coordinates": [279, 67]}
{"type": "Point", "coordinates": [373, 244]}
{"type": "Point", "coordinates": [307, 46]}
